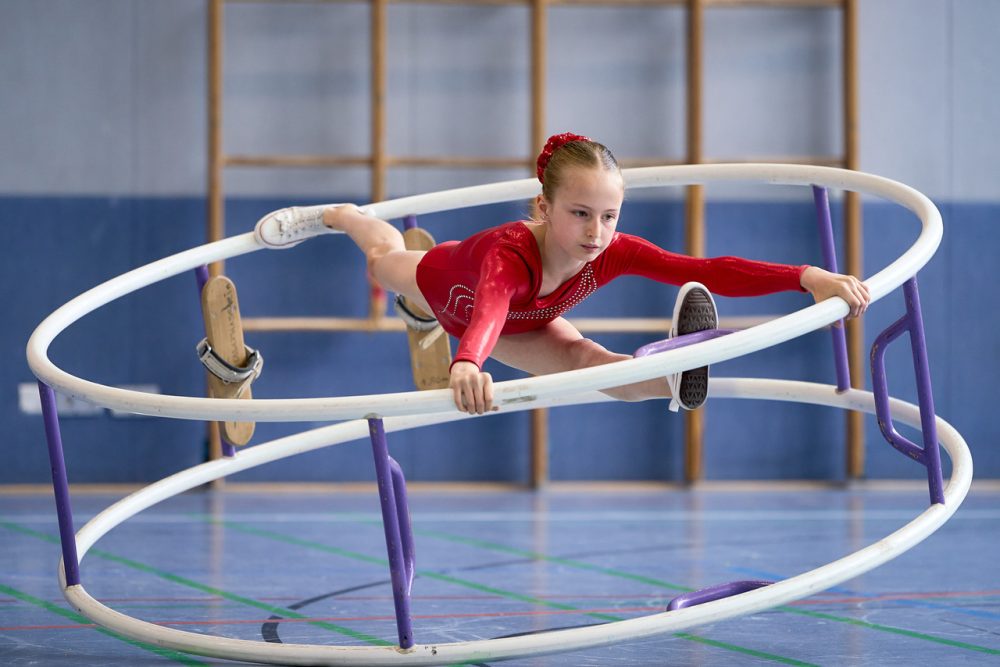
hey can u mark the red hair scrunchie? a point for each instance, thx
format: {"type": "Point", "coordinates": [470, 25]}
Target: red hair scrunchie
{"type": "Point", "coordinates": [555, 142]}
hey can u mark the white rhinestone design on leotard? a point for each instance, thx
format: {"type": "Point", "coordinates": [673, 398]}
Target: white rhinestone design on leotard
{"type": "Point", "coordinates": [586, 286]}
{"type": "Point", "coordinates": [455, 296]}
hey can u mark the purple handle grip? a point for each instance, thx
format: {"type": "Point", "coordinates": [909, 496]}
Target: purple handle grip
{"type": "Point", "coordinates": [681, 341]}
{"type": "Point", "coordinates": [396, 525]}
{"type": "Point", "coordinates": [716, 592]}
{"type": "Point", "coordinates": [403, 519]}
{"type": "Point", "coordinates": [929, 455]}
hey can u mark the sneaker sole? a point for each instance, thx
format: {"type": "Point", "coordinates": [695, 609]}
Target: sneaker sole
{"type": "Point", "coordinates": [696, 314]}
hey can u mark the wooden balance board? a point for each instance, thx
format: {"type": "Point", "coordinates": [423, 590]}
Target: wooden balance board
{"type": "Point", "coordinates": [224, 331]}
{"type": "Point", "coordinates": [430, 358]}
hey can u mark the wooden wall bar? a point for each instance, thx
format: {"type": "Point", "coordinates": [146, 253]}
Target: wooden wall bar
{"type": "Point", "coordinates": [216, 229]}
{"type": "Point", "coordinates": [694, 219]}
{"type": "Point", "coordinates": [853, 242]}
{"type": "Point", "coordinates": [539, 472]}
{"type": "Point", "coordinates": [695, 234]}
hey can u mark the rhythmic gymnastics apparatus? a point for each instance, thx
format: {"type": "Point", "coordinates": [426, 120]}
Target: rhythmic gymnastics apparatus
{"type": "Point", "coordinates": [502, 292]}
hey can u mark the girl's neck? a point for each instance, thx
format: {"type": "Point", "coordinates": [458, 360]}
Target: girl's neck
{"type": "Point", "coordinates": [556, 267]}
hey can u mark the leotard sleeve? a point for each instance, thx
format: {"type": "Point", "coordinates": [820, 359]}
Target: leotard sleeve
{"type": "Point", "coordinates": [502, 275]}
{"type": "Point", "coordinates": [727, 276]}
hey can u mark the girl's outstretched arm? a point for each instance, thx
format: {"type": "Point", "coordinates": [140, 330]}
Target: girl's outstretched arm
{"type": "Point", "coordinates": [823, 284]}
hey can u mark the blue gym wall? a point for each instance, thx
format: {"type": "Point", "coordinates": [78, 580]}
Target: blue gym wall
{"type": "Point", "coordinates": [103, 134]}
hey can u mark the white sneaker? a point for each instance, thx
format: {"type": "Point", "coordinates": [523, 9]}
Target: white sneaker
{"type": "Point", "coordinates": [291, 226]}
{"type": "Point", "coordinates": [694, 311]}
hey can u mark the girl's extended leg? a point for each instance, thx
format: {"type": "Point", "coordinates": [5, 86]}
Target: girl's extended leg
{"type": "Point", "coordinates": [560, 347]}
{"type": "Point", "coordinates": [389, 262]}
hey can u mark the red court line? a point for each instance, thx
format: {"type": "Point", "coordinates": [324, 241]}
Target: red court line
{"type": "Point", "coordinates": [820, 598]}
{"type": "Point", "coordinates": [499, 614]}
{"type": "Point", "coordinates": [382, 598]}
{"type": "Point", "coordinates": [340, 619]}
{"type": "Point", "coordinates": [897, 596]}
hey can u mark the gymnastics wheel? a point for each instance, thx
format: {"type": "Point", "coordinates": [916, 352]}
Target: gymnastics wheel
{"type": "Point", "coordinates": [400, 411]}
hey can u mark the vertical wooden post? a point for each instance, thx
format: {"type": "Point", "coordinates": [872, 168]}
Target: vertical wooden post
{"type": "Point", "coordinates": [378, 47]}
{"type": "Point", "coordinates": [539, 417]}
{"type": "Point", "coordinates": [539, 447]}
{"type": "Point", "coordinates": [216, 225]}
{"type": "Point", "coordinates": [853, 241]}
{"type": "Point", "coordinates": [539, 29]}
{"type": "Point", "coordinates": [694, 223]}
{"type": "Point", "coordinates": [376, 295]}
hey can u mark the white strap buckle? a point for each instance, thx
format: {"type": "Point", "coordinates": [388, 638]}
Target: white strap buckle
{"type": "Point", "coordinates": [225, 371]}
{"type": "Point", "coordinates": [413, 320]}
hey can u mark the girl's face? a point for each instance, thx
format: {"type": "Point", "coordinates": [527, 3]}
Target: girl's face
{"type": "Point", "coordinates": [582, 216]}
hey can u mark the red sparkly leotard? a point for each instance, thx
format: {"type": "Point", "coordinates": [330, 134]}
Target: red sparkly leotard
{"type": "Point", "coordinates": [487, 285]}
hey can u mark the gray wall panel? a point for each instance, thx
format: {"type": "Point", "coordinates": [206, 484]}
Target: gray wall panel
{"type": "Point", "coordinates": [108, 96]}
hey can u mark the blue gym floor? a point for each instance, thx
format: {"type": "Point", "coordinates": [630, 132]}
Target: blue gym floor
{"type": "Point", "coordinates": [310, 567]}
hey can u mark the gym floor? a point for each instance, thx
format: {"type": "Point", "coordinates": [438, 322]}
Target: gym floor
{"type": "Point", "coordinates": [310, 567]}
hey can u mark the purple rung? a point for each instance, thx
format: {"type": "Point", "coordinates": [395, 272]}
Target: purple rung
{"type": "Point", "coordinates": [716, 592]}
{"type": "Point", "coordinates": [410, 222]}
{"type": "Point", "coordinates": [60, 485]}
{"type": "Point", "coordinates": [681, 341]}
{"type": "Point", "coordinates": [201, 275]}
{"type": "Point", "coordinates": [929, 455]}
{"type": "Point", "coordinates": [394, 539]}
{"type": "Point", "coordinates": [824, 224]}
{"type": "Point", "coordinates": [227, 450]}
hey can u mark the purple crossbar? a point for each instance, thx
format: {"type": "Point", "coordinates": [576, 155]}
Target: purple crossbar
{"type": "Point", "coordinates": [60, 485]}
{"type": "Point", "coordinates": [394, 515]}
{"type": "Point", "coordinates": [681, 341]}
{"type": "Point", "coordinates": [825, 226]}
{"type": "Point", "coordinates": [201, 275]}
{"type": "Point", "coordinates": [716, 592]}
{"type": "Point", "coordinates": [929, 455]}
{"type": "Point", "coordinates": [410, 222]}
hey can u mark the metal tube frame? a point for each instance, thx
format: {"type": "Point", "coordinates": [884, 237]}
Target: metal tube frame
{"type": "Point", "coordinates": [824, 223]}
{"type": "Point", "coordinates": [398, 531]}
{"type": "Point", "coordinates": [929, 455]}
{"type": "Point", "coordinates": [60, 484]}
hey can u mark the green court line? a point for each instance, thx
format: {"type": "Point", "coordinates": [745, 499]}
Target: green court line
{"type": "Point", "coordinates": [382, 562]}
{"type": "Point", "coordinates": [503, 548]}
{"type": "Point", "coordinates": [190, 583]}
{"type": "Point", "coordinates": [319, 546]}
{"type": "Point", "coordinates": [739, 649]}
{"type": "Point", "coordinates": [82, 620]}
{"type": "Point", "coordinates": [893, 630]}
{"type": "Point", "coordinates": [514, 551]}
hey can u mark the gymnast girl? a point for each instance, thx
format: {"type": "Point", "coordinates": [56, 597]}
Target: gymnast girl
{"type": "Point", "coordinates": [503, 291]}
